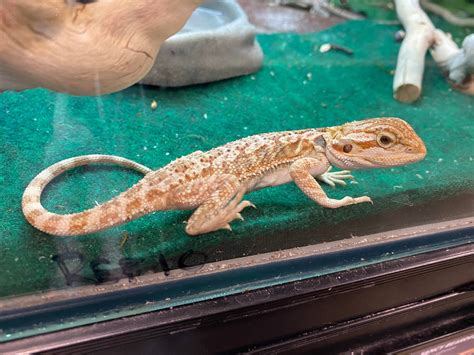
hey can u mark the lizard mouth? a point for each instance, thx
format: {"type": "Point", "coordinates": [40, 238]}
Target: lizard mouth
{"type": "Point", "coordinates": [397, 159]}
{"type": "Point", "coordinates": [411, 154]}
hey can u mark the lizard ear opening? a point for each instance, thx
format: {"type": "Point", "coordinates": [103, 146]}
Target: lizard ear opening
{"type": "Point", "coordinates": [320, 141]}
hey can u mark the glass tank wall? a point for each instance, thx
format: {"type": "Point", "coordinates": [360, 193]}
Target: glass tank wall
{"type": "Point", "coordinates": [287, 236]}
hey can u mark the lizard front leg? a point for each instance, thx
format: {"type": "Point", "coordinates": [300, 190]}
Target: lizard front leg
{"type": "Point", "coordinates": [300, 172]}
{"type": "Point", "coordinates": [221, 207]}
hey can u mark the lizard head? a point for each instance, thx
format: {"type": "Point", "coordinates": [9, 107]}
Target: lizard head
{"type": "Point", "coordinates": [374, 143]}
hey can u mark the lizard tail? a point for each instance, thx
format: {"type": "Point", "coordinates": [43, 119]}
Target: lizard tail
{"type": "Point", "coordinates": [118, 210]}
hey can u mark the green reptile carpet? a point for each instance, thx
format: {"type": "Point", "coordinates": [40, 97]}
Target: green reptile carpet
{"type": "Point", "coordinates": [298, 87]}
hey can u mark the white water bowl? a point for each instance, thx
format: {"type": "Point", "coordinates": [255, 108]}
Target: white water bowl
{"type": "Point", "coordinates": [216, 43]}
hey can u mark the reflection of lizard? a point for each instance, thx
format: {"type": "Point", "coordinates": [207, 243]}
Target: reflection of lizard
{"type": "Point", "coordinates": [214, 182]}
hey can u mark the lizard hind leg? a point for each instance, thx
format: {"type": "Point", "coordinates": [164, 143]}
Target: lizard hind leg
{"type": "Point", "coordinates": [223, 205]}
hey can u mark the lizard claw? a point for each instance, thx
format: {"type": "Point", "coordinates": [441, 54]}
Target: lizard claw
{"type": "Point", "coordinates": [245, 204]}
{"type": "Point", "coordinates": [228, 227]}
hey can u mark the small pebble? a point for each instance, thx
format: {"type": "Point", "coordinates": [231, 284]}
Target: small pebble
{"type": "Point", "coordinates": [326, 47]}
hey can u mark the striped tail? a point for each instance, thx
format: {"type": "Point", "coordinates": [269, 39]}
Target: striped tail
{"type": "Point", "coordinates": [125, 207]}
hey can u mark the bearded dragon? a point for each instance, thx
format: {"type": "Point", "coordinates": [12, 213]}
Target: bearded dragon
{"type": "Point", "coordinates": [214, 182]}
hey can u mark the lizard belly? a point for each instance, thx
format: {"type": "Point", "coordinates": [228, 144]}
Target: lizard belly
{"type": "Point", "coordinates": [276, 177]}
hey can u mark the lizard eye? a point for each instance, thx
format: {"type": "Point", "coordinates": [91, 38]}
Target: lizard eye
{"type": "Point", "coordinates": [386, 140]}
{"type": "Point", "coordinates": [347, 148]}
{"type": "Point", "coordinates": [84, 2]}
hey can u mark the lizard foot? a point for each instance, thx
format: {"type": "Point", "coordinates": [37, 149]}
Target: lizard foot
{"type": "Point", "coordinates": [362, 199]}
{"type": "Point", "coordinates": [231, 213]}
{"type": "Point", "coordinates": [336, 177]}
{"type": "Point", "coordinates": [222, 220]}
{"type": "Point", "coordinates": [347, 201]}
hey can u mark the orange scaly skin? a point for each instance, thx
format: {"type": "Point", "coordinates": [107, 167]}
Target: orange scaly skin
{"type": "Point", "coordinates": [214, 182]}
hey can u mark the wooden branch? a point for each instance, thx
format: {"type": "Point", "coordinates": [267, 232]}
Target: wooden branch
{"type": "Point", "coordinates": [411, 57]}
{"type": "Point", "coordinates": [84, 48]}
{"type": "Point", "coordinates": [421, 35]}
{"type": "Point", "coordinates": [447, 15]}
{"type": "Point", "coordinates": [457, 63]}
